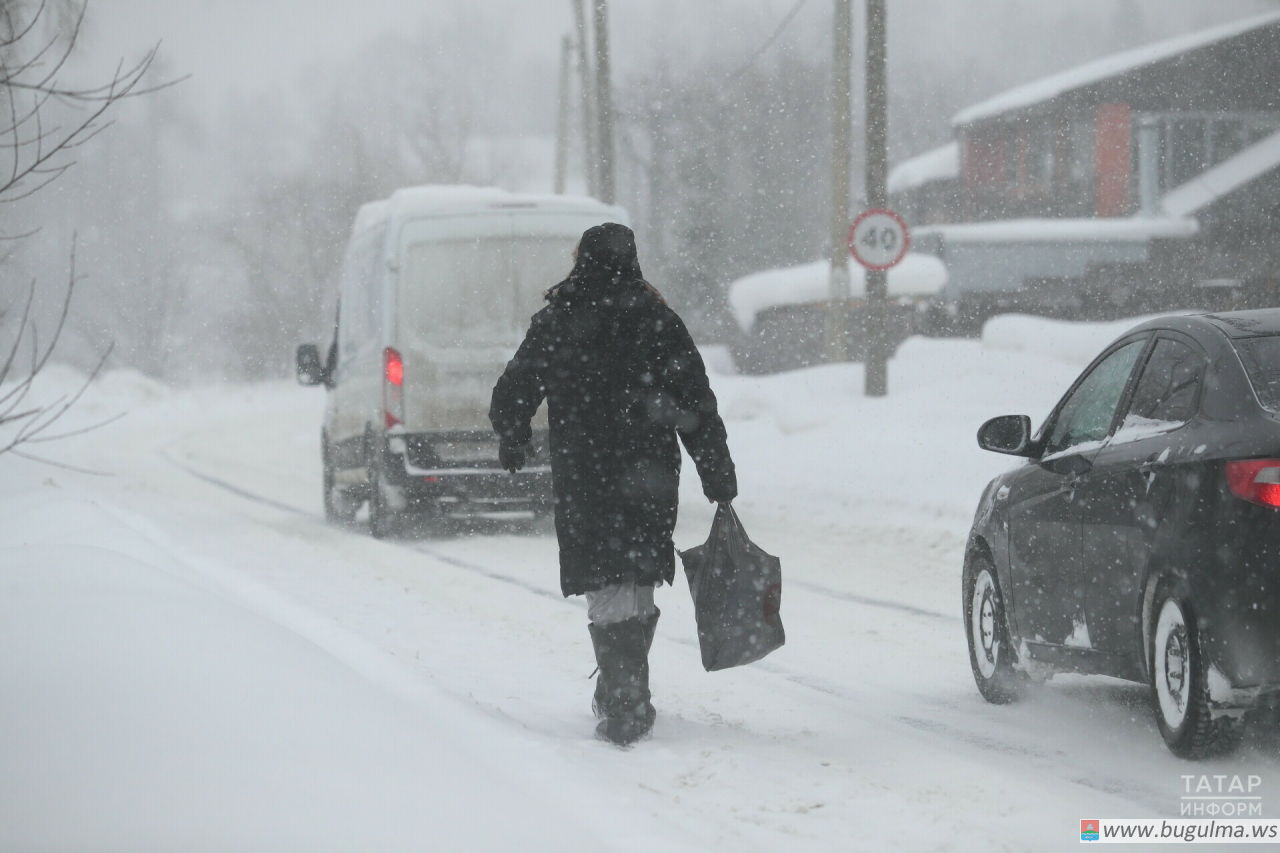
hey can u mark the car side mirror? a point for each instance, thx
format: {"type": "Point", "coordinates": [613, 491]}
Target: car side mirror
{"type": "Point", "coordinates": [310, 370]}
{"type": "Point", "coordinates": [1009, 434]}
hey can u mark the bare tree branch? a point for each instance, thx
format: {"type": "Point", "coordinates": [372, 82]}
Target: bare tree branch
{"type": "Point", "coordinates": [39, 153]}
{"type": "Point", "coordinates": [76, 468]}
{"type": "Point", "coordinates": [37, 74]}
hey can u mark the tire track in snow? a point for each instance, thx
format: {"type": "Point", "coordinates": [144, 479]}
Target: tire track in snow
{"type": "Point", "coordinates": [457, 562]}
{"type": "Point", "coordinates": [1030, 756]}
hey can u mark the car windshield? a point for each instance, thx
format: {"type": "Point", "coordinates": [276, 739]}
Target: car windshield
{"type": "Point", "coordinates": [479, 291]}
{"type": "Point", "coordinates": [1261, 357]}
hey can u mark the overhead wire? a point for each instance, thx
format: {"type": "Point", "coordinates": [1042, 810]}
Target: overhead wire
{"type": "Point", "coordinates": [768, 43]}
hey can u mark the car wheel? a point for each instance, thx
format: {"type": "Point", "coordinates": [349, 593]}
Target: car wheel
{"type": "Point", "coordinates": [384, 521]}
{"type": "Point", "coordinates": [338, 507]}
{"type": "Point", "coordinates": [990, 649]}
{"type": "Point", "coordinates": [1179, 681]}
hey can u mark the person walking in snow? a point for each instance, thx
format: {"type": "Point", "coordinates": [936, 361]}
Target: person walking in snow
{"type": "Point", "coordinates": [622, 379]}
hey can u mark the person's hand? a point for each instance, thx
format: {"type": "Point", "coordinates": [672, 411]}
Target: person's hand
{"type": "Point", "coordinates": [512, 456]}
{"type": "Point", "coordinates": [720, 493]}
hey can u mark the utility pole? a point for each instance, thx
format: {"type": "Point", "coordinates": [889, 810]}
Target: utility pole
{"type": "Point", "coordinates": [604, 101]}
{"type": "Point", "coordinates": [586, 83]}
{"type": "Point", "coordinates": [836, 327]}
{"type": "Point", "coordinates": [562, 117]}
{"type": "Point", "coordinates": [876, 374]}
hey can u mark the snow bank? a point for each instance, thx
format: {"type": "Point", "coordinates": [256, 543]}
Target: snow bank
{"type": "Point", "coordinates": [1121, 229]}
{"type": "Point", "coordinates": [809, 438]}
{"type": "Point", "coordinates": [1057, 340]}
{"type": "Point", "coordinates": [148, 708]}
{"type": "Point", "coordinates": [113, 395]}
{"type": "Point", "coordinates": [938, 164]}
{"type": "Point", "coordinates": [916, 275]}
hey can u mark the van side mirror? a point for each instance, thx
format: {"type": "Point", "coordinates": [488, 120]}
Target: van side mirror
{"type": "Point", "coordinates": [1009, 434]}
{"type": "Point", "coordinates": [310, 370]}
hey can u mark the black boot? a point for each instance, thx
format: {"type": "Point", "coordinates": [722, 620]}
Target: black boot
{"type": "Point", "coordinates": [598, 700]}
{"type": "Point", "coordinates": [622, 654]}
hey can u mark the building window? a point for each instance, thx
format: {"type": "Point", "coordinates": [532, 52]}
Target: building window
{"type": "Point", "coordinates": [1191, 143]}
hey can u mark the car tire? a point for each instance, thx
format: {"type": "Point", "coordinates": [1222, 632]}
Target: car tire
{"type": "Point", "coordinates": [384, 521]}
{"type": "Point", "coordinates": [991, 655]}
{"type": "Point", "coordinates": [338, 507]}
{"type": "Point", "coordinates": [1179, 675]}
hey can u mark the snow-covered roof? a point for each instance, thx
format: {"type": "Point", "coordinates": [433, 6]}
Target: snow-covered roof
{"type": "Point", "coordinates": [916, 275]}
{"type": "Point", "coordinates": [370, 214]}
{"type": "Point", "coordinates": [938, 164]}
{"type": "Point", "coordinates": [1228, 176]}
{"type": "Point", "coordinates": [1107, 67]}
{"type": "Point", "coordinates": [448, 198]}
{"type": "Point", "coordinates": [1127, 229]}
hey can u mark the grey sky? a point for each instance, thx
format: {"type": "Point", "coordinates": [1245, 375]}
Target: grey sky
{"type": "Point", "coordinates": [247, 46]}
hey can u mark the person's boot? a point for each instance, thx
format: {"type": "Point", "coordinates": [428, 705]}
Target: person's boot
{"type": "Point", "coordinates": [598, 700]}
{"type": "Point", "coordinates": [622, 654]}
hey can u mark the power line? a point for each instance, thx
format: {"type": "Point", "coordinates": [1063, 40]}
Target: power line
{"type": "Point", "coordinates": [768, 43]}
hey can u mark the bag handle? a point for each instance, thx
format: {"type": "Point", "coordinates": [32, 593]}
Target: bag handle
{"type": "Point", "coordinates": [731, 515]}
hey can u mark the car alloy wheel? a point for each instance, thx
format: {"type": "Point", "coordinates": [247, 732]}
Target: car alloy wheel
{"type": "Point", "coordinates": [990, 653]}
{"type": "Point", "coordinates": [1172, 660]}
{"type": "Point", "coordinates": [1179, 673]}
{"type": "Point", "coordinates": [983, 624]}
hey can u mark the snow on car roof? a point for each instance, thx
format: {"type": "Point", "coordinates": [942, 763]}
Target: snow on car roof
{"type": "Point", "coordinates": [1117, 229]}
{"type": "Point", "coordinates": [1108, 66]}
{"type": "Point", "coordinates": [916, 275]}
{"type": "Point", "coordinates": [937, 164]}
{"type": "Point", "coordinates": [1224, 178]}
{"type": "Point", "coordinates": [450, 198]}
{"type": "Point", "coordinates": [1261, 322]}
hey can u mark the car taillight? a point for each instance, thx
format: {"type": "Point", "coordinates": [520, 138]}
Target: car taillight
{"type": "Point", "coordinates": [392, 387]}
{"type": "Point", "coordinates": [1255, 480]}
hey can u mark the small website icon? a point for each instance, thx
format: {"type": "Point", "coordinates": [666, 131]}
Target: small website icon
{"type": "Point", "coordinates": [1089, 830]}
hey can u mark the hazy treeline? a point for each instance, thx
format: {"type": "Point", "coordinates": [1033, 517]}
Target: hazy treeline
{"type": "Point", "coordinates": [211, 234]}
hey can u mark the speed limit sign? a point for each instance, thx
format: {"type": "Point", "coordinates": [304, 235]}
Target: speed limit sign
{"type": "Point", "coordinates": [879, 239]}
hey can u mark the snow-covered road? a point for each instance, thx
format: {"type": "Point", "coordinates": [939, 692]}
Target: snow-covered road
{"type": "Point", "coordinates": [330, 691]}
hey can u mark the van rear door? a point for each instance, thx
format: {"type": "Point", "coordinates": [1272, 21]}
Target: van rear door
{"type": "Point", "coordinates": [467, 288]}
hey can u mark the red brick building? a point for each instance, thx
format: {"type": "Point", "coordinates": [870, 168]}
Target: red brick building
{"type": "Point", "coordinates": [1147, 179]}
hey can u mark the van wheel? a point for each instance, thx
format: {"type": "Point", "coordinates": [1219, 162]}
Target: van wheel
{"type": "Point", "coordinates": [384, 521]}
{"type": "Point", "coordinates": [1180, 681]}
{"type": "Point", "coordinates": [338, 506]}
{"type": "Point", "coordinates": [990, 648]}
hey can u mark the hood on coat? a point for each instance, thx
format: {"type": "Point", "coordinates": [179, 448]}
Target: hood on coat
{"type": "Point", "coordinates": [606, 262]}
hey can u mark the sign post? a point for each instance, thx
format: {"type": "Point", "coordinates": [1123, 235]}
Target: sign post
{"type": "Point", "coordinates": [876, 363]}
{"type": "Point", "coordinates": [878, 239]}
{"type": "Point", "coordinates": [836, 328]}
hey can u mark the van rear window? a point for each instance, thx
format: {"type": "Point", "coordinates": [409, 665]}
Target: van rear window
{"type": "Point", "coordinates": [1261, 358]}
{"type": "Point", "coordinates": [480, 291]}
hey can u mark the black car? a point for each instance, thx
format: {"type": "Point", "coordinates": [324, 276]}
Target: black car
{"type": "Point", "coordinates": [1141, 539]}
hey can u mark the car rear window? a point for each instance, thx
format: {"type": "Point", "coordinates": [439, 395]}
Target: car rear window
{"type": "Point", "coordinates": [1261, 357]}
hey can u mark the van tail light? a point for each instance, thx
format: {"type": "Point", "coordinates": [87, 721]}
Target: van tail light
{"type": "Point", "coordinates": [392, 387]}
{"type": "Point", "coordinates": [1255, 480]}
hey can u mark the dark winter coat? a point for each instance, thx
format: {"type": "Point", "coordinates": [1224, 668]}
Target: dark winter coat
{"type": "Point", "coordinates": [622, 378]}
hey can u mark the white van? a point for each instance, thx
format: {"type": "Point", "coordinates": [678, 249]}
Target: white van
{"type": "Point", "coordinates": [437, 288]}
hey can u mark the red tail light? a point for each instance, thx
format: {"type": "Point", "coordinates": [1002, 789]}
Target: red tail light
{"type": "Point", "coordinates": [392, 387]}
{"type": "Point", "coordinates": [1255, 480]}
{"type": "Point", "coordinates": [394, 366]}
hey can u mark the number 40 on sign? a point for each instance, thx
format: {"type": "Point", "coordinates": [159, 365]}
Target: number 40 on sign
{"type": "Point", "coordinates": [878, 239]}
